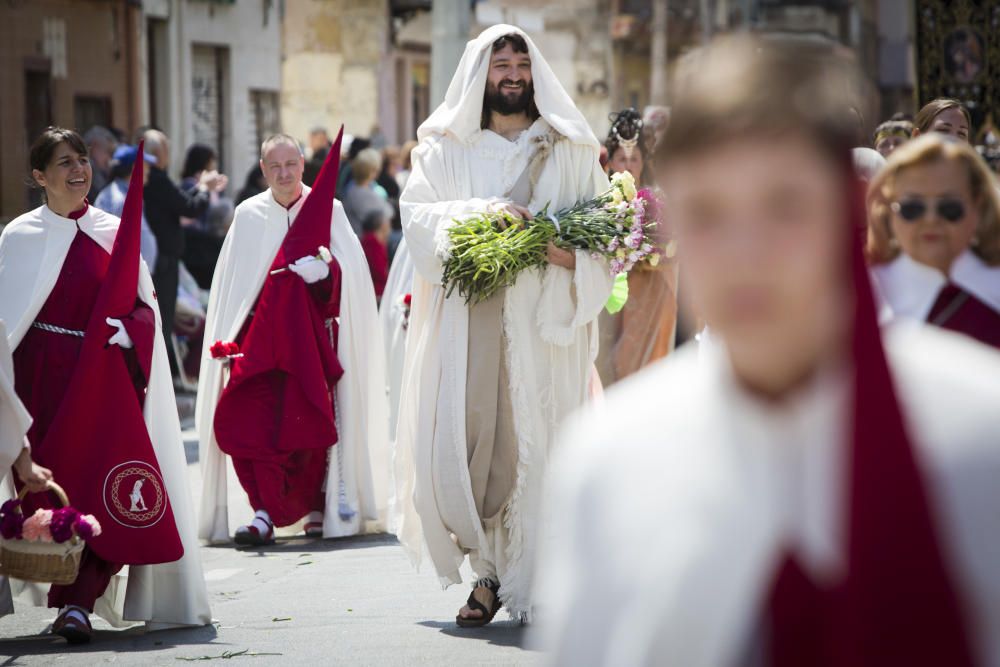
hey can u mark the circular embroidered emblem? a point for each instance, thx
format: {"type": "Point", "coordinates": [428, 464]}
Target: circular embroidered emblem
{"type": "Point", "coordinates": [134, 495]}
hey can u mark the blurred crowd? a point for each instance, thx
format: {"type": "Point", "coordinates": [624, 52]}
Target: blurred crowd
{"type": "Point", "coordinates": [185, 223]}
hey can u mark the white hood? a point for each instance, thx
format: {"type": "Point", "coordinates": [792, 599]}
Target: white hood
{"type": "Point", "coordinates": [461, 112]}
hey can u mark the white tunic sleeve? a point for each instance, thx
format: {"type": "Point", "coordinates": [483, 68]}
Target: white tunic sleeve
{"type": "Point", "coordinates": [427, 210]}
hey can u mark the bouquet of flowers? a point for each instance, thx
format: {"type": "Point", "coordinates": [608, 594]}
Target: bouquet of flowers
{"type": "Point", "coordinates": [486, 252]}
{"type": "Point", "coordinates": [46, 525]}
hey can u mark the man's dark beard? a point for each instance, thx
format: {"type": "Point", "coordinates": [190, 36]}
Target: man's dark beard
{"type": "Point", "coordinates": [506, 104]}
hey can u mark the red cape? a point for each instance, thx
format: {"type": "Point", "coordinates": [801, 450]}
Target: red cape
{"type": "Point", "coordinates": [104, 457]}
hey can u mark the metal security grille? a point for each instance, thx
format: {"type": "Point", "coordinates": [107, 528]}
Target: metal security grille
{"type": "Point", "coordinates": [265, 108]}
{"type": "Point", "coordinates": [207, 97]}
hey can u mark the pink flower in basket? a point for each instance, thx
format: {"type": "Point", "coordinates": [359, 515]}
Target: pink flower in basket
{"type": "Point", "coordinates": [36, 527]}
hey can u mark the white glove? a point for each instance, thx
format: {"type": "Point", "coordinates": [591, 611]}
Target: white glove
{"type": "Point", "coordinates": [121, 338]}
{"type": "Point", "coordinates": [310, 269]}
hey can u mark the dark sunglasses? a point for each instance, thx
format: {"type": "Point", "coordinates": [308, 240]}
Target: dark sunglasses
{"type": "Point", "coordinates": [912, 210]}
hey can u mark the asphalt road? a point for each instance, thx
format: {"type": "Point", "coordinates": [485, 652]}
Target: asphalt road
{"type": "Point", "coordinates": [351, 601]}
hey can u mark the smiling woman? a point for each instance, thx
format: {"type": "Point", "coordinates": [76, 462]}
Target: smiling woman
{"type": "Point", "coordinates": [61, 167]}
{"type": "Point", "coordinates": [58, 292]}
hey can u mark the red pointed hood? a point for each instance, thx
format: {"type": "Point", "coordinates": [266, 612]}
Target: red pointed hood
{"type": "Point", "coordinates": [118, 294]}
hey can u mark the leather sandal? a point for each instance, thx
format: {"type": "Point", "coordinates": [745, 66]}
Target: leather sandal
{"type": "Point", "coordinates": [71, 628]}
{"type": "Point", "coordinates": [476, 605]}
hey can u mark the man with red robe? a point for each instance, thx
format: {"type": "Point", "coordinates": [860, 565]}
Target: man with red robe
{"type": "Point", "coordinates": [296, 409]}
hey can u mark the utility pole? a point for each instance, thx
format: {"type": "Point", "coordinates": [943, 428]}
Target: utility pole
{"type": "Point", "coordinates": [450, 21]}
{"type": "Point", "coordinates": [658, 55]}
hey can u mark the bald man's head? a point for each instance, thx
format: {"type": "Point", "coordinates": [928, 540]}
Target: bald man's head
{"type": "Point", "coordinates": [157, 146]}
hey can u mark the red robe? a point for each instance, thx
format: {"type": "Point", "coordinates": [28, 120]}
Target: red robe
{"type": "Point", "coordinates": [286, 483]}
{"type": "Point", "coordinates": [44, 363]}
{"type": "Point", "coordinates": [378, 261]}
{"type": "Point", "coordinates": [957, 310]}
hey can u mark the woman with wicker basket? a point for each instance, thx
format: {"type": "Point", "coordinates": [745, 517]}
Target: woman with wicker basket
{"type": "Point", "coordinates": [90, 367]}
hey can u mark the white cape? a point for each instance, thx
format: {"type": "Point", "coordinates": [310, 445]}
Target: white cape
{"type": "Point", "coordinates": [32, 250]}
{"type": "Point", "coordinates": [549, 325]}
{"type": "Point", "coordinates": [361, 452]}
{"type": "Point", "coordinates": [674, 504]}
{"type": "Point", "coordinates": [391, 315]}
{"type": "Point", "coordinates": [14, 418]}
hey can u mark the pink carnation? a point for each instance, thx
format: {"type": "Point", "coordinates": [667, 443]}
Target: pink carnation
{"type": "Point", "coordinates": [36, 527]}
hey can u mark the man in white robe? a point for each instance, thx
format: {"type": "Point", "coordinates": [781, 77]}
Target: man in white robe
{"type": "Point", "coordinates": [797, 461]}
{"type": "Point", "coordinates": [484, 388]}
{"type": "Point", "coordinates": [356, 480]}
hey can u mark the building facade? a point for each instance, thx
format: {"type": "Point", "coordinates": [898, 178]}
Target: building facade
{"type": "Point", "coordinates": [72, 63]}
{"type": "Point", "coordinates": [212, 75]}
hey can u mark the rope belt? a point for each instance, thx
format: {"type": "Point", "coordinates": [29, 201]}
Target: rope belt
{"type": "Point", "coordinates": [51, 328]}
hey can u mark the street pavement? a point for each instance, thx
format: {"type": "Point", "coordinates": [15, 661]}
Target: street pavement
{"type": "Point", "coordinates": [354, 601]}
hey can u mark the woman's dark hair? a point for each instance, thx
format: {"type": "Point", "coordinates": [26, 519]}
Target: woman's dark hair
{"type": "Point", "coordinates": [625, 133]}
{"type": "Point", "coordinates": [198, 158]}
{"type": "Point", "coordinates": [925, 117]}
{"type": "Point", "coordinates": [47, 142]}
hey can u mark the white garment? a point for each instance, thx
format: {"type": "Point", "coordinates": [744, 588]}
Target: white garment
{"type": "Point", "coordinates": [32, 250]}
{"type": "Point", "coordinates": [111, 200]}
{"type": "Point", "coordinates": [910, 288]}
{"type": "Point", "coordinates": [549, 323]}
{"type": "Point", "coordinates": [361, 452]}
{"type": "Point", "coordinates": [14, 418]}
{"type": "Point", "coordinates": [674, 503]}
{"type": "Point", "coordinates": [391, 316]}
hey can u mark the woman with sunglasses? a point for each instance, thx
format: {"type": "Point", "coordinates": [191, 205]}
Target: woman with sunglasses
{"type": "Point", "coordinates": [934, 237]}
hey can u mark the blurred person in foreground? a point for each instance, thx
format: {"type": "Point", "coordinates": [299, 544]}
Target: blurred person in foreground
{"type": "Point", "coordinates": [934, 237]}
{"type": "Point", "coordinates": [799, 490]}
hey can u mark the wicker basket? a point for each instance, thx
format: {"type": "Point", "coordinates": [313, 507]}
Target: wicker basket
{"type": "Point", "coordinates": [42, 562]}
